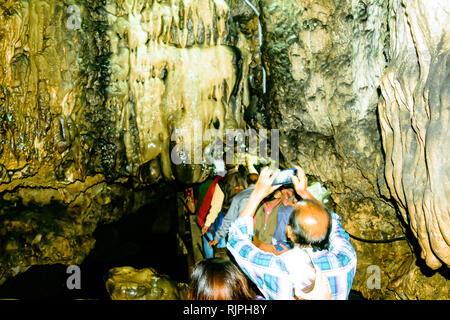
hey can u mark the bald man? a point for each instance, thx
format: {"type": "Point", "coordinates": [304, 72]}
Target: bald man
{"type": "Point", "coordinates": [309, 225]}
{"type": "Point", "coordinates": [316, 235]}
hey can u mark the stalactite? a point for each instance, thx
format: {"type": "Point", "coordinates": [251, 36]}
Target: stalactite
{"type": "Point", "coordinates": [169, 81]}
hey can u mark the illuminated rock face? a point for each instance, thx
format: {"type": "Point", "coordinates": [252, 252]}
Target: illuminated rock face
{"type": "Point", "coordinates": [107, 92]}
{"type": "Point", "coordinates": [414, 118]}
{"type": "Point", "coordinates": [128, 283]}
{"type": "Point", "coordinates": [330, 63]}
{"type": "Point", "coordinates": [91, 94]}
{"type": "Point", "coordinates": [173, 75]}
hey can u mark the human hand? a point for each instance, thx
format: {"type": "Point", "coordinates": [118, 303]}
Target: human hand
{"type": "Point", "coordinates": [213, 243]}
{"type": "Point", "coordinates": [263, 186]}
{"type": "Point", "coordinates": [321, 290]}
{"type": "Point", "coordinates": [205, 229]}
{"type": "Point", "coordinates": [267, 247]}
{"type": "Point", "coordinates": [300, 181]}
{"type": "Point", "coordinates": [190, 204]}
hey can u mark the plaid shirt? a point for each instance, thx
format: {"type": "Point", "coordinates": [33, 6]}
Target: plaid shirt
{"type": "Point", "coordinates": [270, 274]}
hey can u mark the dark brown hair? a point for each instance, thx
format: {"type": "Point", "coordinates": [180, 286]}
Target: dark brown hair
{"type": "Point", "coordinates": [218, 279]}
{"type": "Point", "coordinates": [231, 184]}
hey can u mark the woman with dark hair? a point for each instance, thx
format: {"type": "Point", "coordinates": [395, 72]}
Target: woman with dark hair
{"type": "Point", "coordinates": [218, 279]}
{"type": "Point", "coordinates": [221, 279]}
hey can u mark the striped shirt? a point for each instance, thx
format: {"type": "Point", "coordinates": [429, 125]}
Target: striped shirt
{"type": "Point", "coordinates": [270, 272]}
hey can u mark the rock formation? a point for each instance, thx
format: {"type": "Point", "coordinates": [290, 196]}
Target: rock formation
{"type": "Point", "coordinates": [127, 283]}
{"type": "Point", "coordinates": [44, 231]}
{"type": "Point", "coordinates": [414, 119]}
{"type": "Point", "coordinates": [95, 96]}
{"type": "Point", "coordinates": [173, 76]}
{"type": "Point", "coordinates": [326, 62]}
{"type": "Point", "coordinates": [109, 86]}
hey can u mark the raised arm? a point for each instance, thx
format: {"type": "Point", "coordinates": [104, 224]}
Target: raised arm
{"type": "Point", "coordinates": [232, 214]}
{"type": "Point", "coordinates": [262, 189]}
{"type": "Point", "coordinates": [216, 206]}
{"type": "Point", "coordinates": [301, 186]}
{"type": "Point", "coordinates": [340, 245]}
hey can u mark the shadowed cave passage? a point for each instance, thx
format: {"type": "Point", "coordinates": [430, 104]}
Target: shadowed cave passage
{"type": "Point", "coordinates": [357, 90]}
{"type": "Point", "coordinates": [147, 238]}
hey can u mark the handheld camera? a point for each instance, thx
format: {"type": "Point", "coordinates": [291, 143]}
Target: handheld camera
{"type": "Point", "coordinates": [284, 177]}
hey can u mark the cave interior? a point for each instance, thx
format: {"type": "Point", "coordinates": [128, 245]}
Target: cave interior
{"type": "Point", "coordinates": [109, 110]}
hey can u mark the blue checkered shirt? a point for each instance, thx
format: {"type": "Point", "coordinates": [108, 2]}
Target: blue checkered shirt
{"type": "Point", "coordinates": [269, 271]}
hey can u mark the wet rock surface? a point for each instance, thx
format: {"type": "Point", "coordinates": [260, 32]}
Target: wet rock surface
{"type": "Point", "coordinates": [414, 117]}
{"type": "Point", "coordinates": [128, 283]}
{"type": "Point", "coordinates": [106, 86]}
{"type": "Point", "coordinates": [325, 63]}
{"type": "Point", "coordinates": [92, 93]}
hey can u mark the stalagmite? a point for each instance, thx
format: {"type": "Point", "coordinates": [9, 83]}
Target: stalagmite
{"type": "Point", "coordinates": [128, 283]}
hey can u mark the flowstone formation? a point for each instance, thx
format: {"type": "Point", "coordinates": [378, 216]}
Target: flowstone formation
{"type": "Point", "coordinates": [128, 283]}
{"type": "Point", "coordinates": [414, 118]}
{"type": "Point", "coordinates": [325, 63]}
{"type": "Point", "coordinates": [173, 76]}
{"type": "Point", "coordinates": [108, 87]}
{"type": "Point", "coordinates": [94, 95]}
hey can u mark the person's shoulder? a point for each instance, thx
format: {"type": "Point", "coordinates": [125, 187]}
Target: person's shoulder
{"type": "Point", "coordinates": [285, 209]}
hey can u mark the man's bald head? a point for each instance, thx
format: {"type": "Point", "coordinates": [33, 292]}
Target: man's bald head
{"type": "Point", "coordinates": [310, 224]}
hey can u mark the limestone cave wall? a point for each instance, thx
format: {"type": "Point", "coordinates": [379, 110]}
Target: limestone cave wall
{"type": "Point", "coordinates": [414, 118]}
{"type": "Point", "coordinates": [358, 90]}
{"type": "Point", "coordinates": [94, 95]}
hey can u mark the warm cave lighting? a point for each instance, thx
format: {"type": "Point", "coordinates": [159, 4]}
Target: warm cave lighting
{"type": "Point", "coordinates": [140, 141]}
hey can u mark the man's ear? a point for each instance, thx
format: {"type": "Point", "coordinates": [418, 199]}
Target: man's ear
{"type": "Point", "coordinates": [290, 233]}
